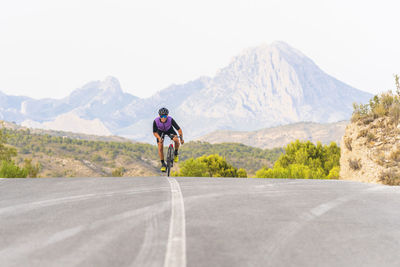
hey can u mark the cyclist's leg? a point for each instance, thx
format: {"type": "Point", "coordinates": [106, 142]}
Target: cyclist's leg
{"type": "Point", "coordinates": [161, 153]}
{"type": "Point", "coordinates": [160, 146]}
{"type": "Point", "coordinates": [177, 143]}
{"type": "Point", "coordinates": [174, 136]}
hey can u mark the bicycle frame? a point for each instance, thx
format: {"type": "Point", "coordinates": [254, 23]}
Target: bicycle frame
{"type": "Point", "coordinates": [170, 153]}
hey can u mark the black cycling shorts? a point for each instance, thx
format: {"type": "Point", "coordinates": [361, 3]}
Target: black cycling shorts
{"type": "Point", "coordinates": [171, 133]}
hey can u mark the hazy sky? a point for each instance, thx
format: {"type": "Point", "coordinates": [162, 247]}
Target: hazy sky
{"type": "Point", "coordinates": [48, 48]}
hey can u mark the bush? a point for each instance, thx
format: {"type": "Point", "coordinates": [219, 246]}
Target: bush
{"type": "Point", "coordinates": [192, 168]}
{"type": "Point", "coordinates": [394, 112]}
{"type": "Point", "coordinates": [239, 155]}
{"type": "Point", "coordinates": [32, 170]}
{"type": "Point", "coordinates": [8, 169]}
{"type": "Point", "coordinates": [385, 104]}
{"type": "Point", "coordinates": [334, 173]}
{"type": "Point", "coordinates": [208, 166]}
{"type": "Point", "coordinates": [304, 160]}
{"type": "Point", "coordinates": [390, 178]}
{"type": "Point", "coordinates": [355, 164]}
{"type": "Point", "coordinates": [241, 173]}
{"type": "Point", "coordinates": [118, 172]}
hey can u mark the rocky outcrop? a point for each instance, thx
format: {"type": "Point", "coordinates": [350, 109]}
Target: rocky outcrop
{"type": "Point", "coordinates": [370, 151]}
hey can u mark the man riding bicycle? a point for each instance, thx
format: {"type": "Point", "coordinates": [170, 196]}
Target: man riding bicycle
{"type": "Point", "coordinates": [162, 126]}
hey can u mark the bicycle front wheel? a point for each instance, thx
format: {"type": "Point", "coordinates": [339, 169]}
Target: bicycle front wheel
{"type": "Point", "coordinates": [170, 159]}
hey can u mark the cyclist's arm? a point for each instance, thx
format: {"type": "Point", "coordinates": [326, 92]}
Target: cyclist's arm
{"type": "Point", "coordinates": [180, 133]}
{"type": "Point", "coordinates": [176, 126]}
{"type": "Point", "coordinates": [155, 133]}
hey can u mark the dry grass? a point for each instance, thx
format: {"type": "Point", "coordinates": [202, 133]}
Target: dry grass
{"type": "Point", "coordinates": [362, 133]}
{"type": "Point", "coordinates": [395, 155]}
{"type": "Point", "coordinates": [390, 177]}
{"type": "Point", "coordinates": [355, 164]}
{"type": "Point", "coordinates": [371, 137]}
{"type": "Point", "coordinates": [394, 112]}
{"type": "Point", "coordinates": [383, 105]}
{"type": "Point", "coordinates": [379, 157]}
{"type": "Point", "coordinates": [380, 110]}
{"type": "Point", "coordinates": [347, 142]}
{"type": "Point", "coordinates": [367, 120]}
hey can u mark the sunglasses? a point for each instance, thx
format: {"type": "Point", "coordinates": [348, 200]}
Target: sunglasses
{"type": "Point", "coordinates": [163, 116]}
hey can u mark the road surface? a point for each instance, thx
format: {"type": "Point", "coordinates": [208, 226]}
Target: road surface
{"type": "Point", "coordinates": [155, 221]}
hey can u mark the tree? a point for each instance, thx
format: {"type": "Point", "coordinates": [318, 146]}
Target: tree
{"type": "Point", "coordinates": [6, 153]}
{"type": "Point", "coordinates": [241, 173]}
{"type": "Point", "coordinates": [31, 170]}
{"type": "Point", "coordinates": [192, 168]}
{"type": "Point", "coordinates": [304, 160]}
{"type": "Point", "coordinates": [209, 166]}
{"type": "Point", "coordinates": [8, 169]}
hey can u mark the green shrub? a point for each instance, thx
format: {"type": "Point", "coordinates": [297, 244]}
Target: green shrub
{"type": "Point", "coordinates": [118, 172]}
{"type": "Point", "coordinates": [208, 166]}
{"type": "Point", "coordinates": [379, 106]}
{"type": "Point", "coordinates": [304, 160]}
{"type": "Point", "coordinates": [334, 173]}
{"type": "Point", "coordinates": [192, 168]}
{"type": "Point", "coordinates": [9, 169]}
{"type": "Point", "coordinates": [32, 170]}
{"type": "Point", "coordinates": [241, 173]}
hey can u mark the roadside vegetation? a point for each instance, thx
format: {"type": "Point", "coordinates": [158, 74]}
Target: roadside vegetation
{"type": "Point", "coordinates": [383, 105]}
{"type": "Point", "coordinates": [305, 160]}
{"type": "Point", "coordinates": [209, 166]}
{"type": "Point", "coordinates": [296, 160]}
{"type": "Point", "coordinates": [67, 157]}
{"type": "Point", "coordinates": [60, 156]}
{"type": "Point", "coordinates": [241, 156]}
{"type": "Point", "coordinates": [8, 168]}
{"type": "Point", "coordinates": [377, 124]}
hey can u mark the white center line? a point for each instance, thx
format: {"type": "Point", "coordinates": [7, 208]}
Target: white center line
{"type": "Point", "coordinates": [176, 247]}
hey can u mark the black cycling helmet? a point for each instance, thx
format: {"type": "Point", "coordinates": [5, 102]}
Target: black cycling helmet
{"type": "Point", "coordinates": [163, 111]}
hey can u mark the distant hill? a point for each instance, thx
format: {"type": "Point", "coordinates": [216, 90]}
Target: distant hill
{"type": "Point", "coordinates": [72, 135]}
{"type": "Point", "coordinates": [281, 135]}
{"type": "Point", "coordinates": [62, 154]}
{"type": "Point", "coordinates": [264, 86]}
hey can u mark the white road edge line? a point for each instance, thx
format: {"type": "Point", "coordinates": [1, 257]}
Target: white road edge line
{"type": "Point", "coordinates": [176, 247]}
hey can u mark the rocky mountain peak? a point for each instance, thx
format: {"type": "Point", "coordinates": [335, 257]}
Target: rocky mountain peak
{"type": "Point", "coordinates": [111, 85]}
{"type": "Point", "coordinates": [264, 86]}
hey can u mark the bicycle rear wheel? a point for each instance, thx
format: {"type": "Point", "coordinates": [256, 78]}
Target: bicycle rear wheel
{"type": "Point", "coordinates": [170, 159]}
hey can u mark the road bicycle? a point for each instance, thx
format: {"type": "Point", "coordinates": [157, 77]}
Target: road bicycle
{"type": "Point", "coordinates": [170, 153]}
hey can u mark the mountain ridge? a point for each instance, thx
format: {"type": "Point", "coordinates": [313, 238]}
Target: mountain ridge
{"type": "Point", "coordinates": [261, 87]}
{"type": "Point", "coordinates": [280, 136]}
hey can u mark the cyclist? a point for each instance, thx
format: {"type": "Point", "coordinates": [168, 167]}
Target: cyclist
{"type": "Point", "coordinates": [164, 125]}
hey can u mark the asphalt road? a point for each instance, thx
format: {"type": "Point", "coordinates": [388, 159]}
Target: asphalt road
{"type": "Point", "coordinates": [155, 221]}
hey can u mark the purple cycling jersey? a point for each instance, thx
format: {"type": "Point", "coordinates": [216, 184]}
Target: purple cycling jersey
{"type": "Point", "coordinates": [164, 127]}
